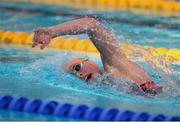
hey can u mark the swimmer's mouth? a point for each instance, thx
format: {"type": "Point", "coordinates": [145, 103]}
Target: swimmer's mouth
{"type": "Point", "coordinates": [89, 76]}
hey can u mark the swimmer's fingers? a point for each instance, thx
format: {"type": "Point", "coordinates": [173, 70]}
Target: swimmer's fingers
{"type": "Point", "coordinates": [44, 45]}
{"type": "Point", "coordinates": [41, 36]}
{"type": "Point", "coordinates": [36, 38]}
{"type": "Point", "coordinates": [45, 42]}
{"type": "Point", "coordinates": [35, 41]}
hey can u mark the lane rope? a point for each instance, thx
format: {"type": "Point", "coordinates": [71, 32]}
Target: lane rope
{"type": "Point", "coordinates": [79, 112]}
{"type": "Point", "coordinates": [137, 51]}
{"type": "Point", "coordinates": [164, 5]}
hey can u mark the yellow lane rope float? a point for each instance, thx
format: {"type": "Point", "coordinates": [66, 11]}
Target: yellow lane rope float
{"type": "Point", "coordinates": [169, 55]}
{"type": "Point", "coordinates": [162, 5]}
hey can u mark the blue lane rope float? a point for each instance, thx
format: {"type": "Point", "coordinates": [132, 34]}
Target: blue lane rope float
{"type": "Point", "coordinates": [80, 112]}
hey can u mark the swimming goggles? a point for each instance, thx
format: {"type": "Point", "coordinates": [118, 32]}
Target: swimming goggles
{"type": "Point", "coordinates": [77, 67]}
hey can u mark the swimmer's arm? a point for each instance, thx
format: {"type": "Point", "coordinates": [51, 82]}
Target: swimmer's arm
{"type": "Point", "coordinates": [101, 37]}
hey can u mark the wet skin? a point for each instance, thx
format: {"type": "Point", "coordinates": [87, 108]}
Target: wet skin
{"type": "Point", "coordinates": [114, 60]}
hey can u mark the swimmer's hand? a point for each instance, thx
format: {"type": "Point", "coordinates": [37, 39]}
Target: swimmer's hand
{"type": "Point", "coordinates": [42, 36]}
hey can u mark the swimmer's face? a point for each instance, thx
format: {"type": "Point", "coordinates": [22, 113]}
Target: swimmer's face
{"type": "Point", "coordinates": [83, 68]}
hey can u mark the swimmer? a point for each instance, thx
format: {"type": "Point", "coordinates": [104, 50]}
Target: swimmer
{"type": "Point", "coordinates": [114, 60]}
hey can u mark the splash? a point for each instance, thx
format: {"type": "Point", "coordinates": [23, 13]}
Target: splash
{"type": "Point", "coordinates": [161, 65]}
{"type": "Point", "coordinates": [49, 71]}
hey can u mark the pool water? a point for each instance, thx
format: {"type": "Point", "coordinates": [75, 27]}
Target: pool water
{"type": "Point", "coordinates": [156, 31]}
{"type": "Point", "coordinates": [38, 74]}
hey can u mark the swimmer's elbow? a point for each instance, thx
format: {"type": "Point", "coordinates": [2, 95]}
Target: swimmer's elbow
{"type": "Point", "coordinates": [94, 25]}
{"type": "Point", "coordinates": [91, 20]}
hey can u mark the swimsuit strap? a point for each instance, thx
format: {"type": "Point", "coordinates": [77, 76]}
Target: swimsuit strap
{"type": "Point", "coordinates": [149, 87]}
